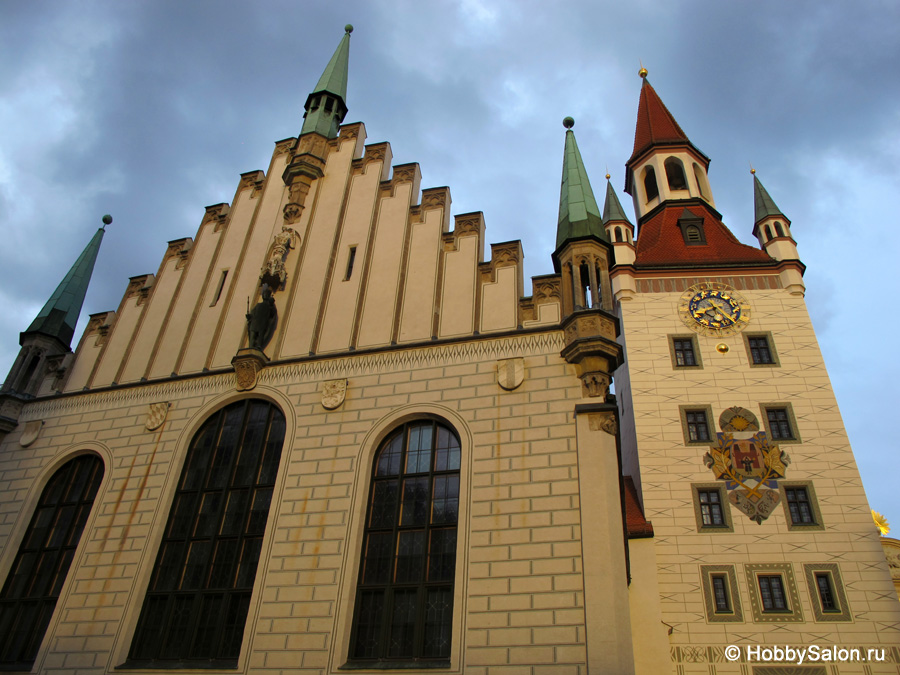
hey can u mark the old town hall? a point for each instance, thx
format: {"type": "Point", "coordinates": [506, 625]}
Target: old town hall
{"type": "Point", "coordinates": [401, 455]}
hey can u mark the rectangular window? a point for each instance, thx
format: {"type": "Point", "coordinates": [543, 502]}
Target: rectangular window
{"type": "Point", "coordinates": [721, 599]}
{"type": "Point", "coordinates": [826, 594]}
{"type": "Point", "coordinates": [760, 354]}
{"type": "Point", "coordinates": [799, 506]}
{"type": "Point", "coordinates": [219, 288]}
{"type": "Point", "coordinates": [683, 349]}
{"type": "Point", "coordinates": [771, 593]}
{"type": "Point", "coordinates": [698, 428]}
{"type": "Point", "coordinates": [720, 593]}
{"type": "Point", "coordinates": [779, 424]}
{"type": "Point", "coordinates": [711, 508]}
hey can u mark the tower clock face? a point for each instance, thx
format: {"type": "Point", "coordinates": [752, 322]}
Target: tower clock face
{"type": "Point", "coordinates": [714, 309]}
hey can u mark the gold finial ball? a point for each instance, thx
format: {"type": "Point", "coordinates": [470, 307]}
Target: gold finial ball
{"type": "Point", "coordinates": [753, 171]}
{"type": "Point", "coordinates": [642, 72]}
{"type": "Point", "coordinates": [348, 28]}
{"type": "Point", "coordinates": [722, 348]}
{"type": "Point", "coordinates": [568, 122]}
{"type": "Point", "coordinates": [607, 176]}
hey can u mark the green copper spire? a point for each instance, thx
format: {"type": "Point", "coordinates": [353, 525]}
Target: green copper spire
{"type": "Point", "coordinates": [579, 215]}
{"type": "Point", "coordinates": [612, 209]}
{"type": "Point", "coordinates": [59, 316]}
{"type": "Point", "coordinates": [764, 205]}
{"type": "Point", "coordinates": [327, 104]}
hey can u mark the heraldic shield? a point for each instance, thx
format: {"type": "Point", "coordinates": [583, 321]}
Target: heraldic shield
{"type": "Point", "coordinates": [748, 463]}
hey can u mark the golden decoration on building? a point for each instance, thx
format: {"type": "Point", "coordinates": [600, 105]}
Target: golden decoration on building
{"type": "Point", "coordinates": [881, 523]}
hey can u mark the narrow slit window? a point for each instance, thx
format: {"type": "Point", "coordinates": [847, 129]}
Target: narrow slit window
{"type": "Point", "coordinates": [351, 258]}
{"type": "Point", "coordinates": [720, 593]}
{"type": "Point", "coordinates": [219, 288]}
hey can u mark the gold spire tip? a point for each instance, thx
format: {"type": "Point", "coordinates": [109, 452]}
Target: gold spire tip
{"type": "Point", "coordinates": [752, 170]}
{"type": "Point", "coordinates": [607, 176]}
{"type": "Point", "coordinates": [643, 71]}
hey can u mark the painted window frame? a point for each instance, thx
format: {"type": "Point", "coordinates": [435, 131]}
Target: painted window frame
{"type": "Point", "coordinates": [770, 346]}
{"type": "Point", "coordinates": [695, 348]}
{"type": "Point", "coordinates": [833, 571]}
{"type": "Point", "coordinates": [793, 613]}
{"type": "Point", "coordinates": [791, 419]}
{"type": "Point", "coordinates": [818, 523]}
{"type": "Point", "coordinates": [684, 410]}
{"type": "Point", "coordinates": [696, 490]}
{"type": "Point", "coordinates": [726, 572]}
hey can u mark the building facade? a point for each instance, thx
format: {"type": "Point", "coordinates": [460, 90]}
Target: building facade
{"type": "Point", "coordinates": [328, 435]}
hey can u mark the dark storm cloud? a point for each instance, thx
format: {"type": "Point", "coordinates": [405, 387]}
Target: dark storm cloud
{"type": "Point", "coordinates": [150, 110]}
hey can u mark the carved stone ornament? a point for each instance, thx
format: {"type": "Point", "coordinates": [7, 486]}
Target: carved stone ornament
{"type": "Point", "coordinates": [156, 415]}
{"type": "Point", "coordinates": [405, 173]}
{"type": "Point", "coordinates": [510, 373]}
{"type": "Point", "coordinates": [466, 225]}
{"type": "Point", "coordinates": [333, 394]}
{"type": "Point", "coordinates": [31, 432]}
{"type": "Point", "coordinates": [247, 364]}
{"type": "Point", "coordinates": [435, 199]}
{"type": "Point", "coordinates": [604, 422]}
{"type": "Point", "coordinates": [273, 272]}
{"type": "Point", "coordinates": [596, 384]}
{"type": "Point", "coordinates": [292, 212]}
{"type": "Point", "coordinates": [546, 290]}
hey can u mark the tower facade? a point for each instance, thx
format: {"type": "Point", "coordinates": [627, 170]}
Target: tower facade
{"type": "Point", "coordinates": [330, 434]}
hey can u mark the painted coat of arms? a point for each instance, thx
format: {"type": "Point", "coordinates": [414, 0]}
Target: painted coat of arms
{"type": "Point", "coordinates": [748, 462]}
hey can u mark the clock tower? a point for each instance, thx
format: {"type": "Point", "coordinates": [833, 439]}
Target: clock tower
{"type": "Point", "coordinates": [729, 423]}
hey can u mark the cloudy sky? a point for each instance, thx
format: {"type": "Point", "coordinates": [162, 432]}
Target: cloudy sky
{"type": "Point", "coordinates": [150, 110]}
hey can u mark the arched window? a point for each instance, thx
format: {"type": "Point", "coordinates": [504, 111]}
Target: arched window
{"type": "Point", "coordinates": [32, 588]}
{"type": "Point", "coordinates": [199, 594]}
{"type": "Point", "coordinates": [692, 233]}
{"type": "Point", "coordinates": [779, 231]}
{"type": "Point", "coordinates": [650, 185]}
{"type": "Point", "coordinates": [675, 174]}
{"type": "Point", "coordinates": [404, 598]}
{"type": "Point", "coordinates": [618, 234]}
{"type": "Point", "coordinates": [701, 182]}
{"type": "Point", "coordinates": [768, 232]}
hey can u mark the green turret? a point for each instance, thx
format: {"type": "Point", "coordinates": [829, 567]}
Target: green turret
{"type": "Point", "coordinates": [326, 106]}
{"type": "Point", "coordinates": [579, 215]}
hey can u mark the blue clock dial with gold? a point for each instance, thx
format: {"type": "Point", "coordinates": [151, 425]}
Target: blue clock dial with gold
{"type": "Point", "coordinates": [714, 309]}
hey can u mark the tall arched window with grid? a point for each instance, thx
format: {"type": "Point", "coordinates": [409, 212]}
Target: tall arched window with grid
{"type": "Point", "coordinates": [199, 595]}
{"type": "Point", "coordinates": [404, 597]}
{"type": "Point", "coordinates": [29, 596]}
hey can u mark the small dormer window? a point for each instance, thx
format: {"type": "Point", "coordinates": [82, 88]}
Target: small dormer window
{"type": "Point", "coordinates": [650, 185]}
{"type": "Point", "coordinates": [779, 231]}
{"type": "Point", "coordinates": [675, 174]}
{"type": "Point", "coordinates": [691, 227]}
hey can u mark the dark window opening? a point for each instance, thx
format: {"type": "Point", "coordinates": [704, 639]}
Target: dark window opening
{"type": "Point", "coordinates": [29, 373]}
{"type": "Point", "coordinates": [329, 104]}
{"type": "Point", "coordinates": [826, 593]}
{"type": "Point", "coordinates": [720, 594]}
{"type": "Point", "coordinates": [778, 229]}
{"type": "Point", "coordinates": [701, 183]}
{"type": "Point", "coordinates": [771, 592]}
{"type": "Point", "coordinates": [351, 257]}
{"type": "Point", "coordinates": [711, 508]}
{"type": "Point", "coordinates": [650, 185]}
{"type": "Point", "coordinates": [199, 594]}
{"type": "Point", "coordinates": [39, 570]}
{"type": "Point", "coordinates": [684, 352]}
{"type": "Point", "coordinates": [799, 506]}
{"type": "Point", "coordinates": [404, 598]}
{"type": "Point", "coordinates": [219, 288]}
{"type": "Point", "coordinates": [780, 424]}
{"type": "Point", "coordinates": [675, 174]}
{"type": "Point", "coordinates": [619, 234]}
{"type": "Point", "coordinates": [768, 232]}
{"type": "Point", "coordinates": [760, 354]}
{"type": "Point", "coordinates": [698, 428]}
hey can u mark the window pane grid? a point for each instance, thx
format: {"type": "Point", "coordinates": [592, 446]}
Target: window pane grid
{"type": "Point", "coordinates": [779, 424]}
{"type": "Point", "coordinates": [197, 602]}
{"type": "Point", "coordinates": [684, 352]}
{"type": "Point", "coordinates": [404, 604]}
{"type": "Point", "coordinates": [799, 507]}
{"type": "Point", "coordinates": [759, 350]}
{"type": "Point", "coordinates": [698, 429]}
{"type": "Point", "coordinates": [33, 585]}
{"type": "Point", "coordinates": [771, 591]}
{"type": "Point", "coordinates": [711, 508]}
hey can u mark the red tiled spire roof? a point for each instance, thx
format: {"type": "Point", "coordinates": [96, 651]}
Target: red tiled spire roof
{"type": "Point", "coordinates": [655, 123]}
{"type": "Point", "coordinates": [661, 242]}
{"type": "Point", "coordinates": [638, 526]}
